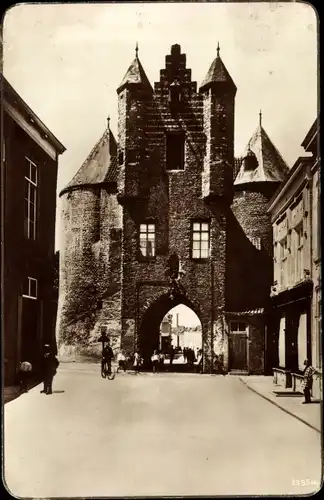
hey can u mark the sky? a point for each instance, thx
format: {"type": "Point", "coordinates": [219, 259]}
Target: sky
{"type": "Point", "coordinates": [187, 317]}
{"type": "Point", "coordinates": [66, 61]}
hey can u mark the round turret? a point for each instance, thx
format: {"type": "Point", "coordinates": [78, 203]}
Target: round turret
{"type": "Point", "coordinates": [90, 238]}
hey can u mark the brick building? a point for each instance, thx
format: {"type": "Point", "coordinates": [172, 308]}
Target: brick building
{"type": "Point", "coordinates": [295, 329]}
{"type": "Point", "coordinates": [166, 215]}
{"type": "Point", "coordinates": [28, 178]}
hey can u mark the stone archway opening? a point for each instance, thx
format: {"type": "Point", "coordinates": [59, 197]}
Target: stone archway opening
{"type": "Point", "coordinates": [173, 328]}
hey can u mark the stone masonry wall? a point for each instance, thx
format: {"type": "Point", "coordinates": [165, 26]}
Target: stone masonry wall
{"type": "Point", "coordinates": [89, 270]}
{"type": "Point", "coordinates": [249, 272]}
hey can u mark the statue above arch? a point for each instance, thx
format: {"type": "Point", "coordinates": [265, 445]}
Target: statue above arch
{"type": "Point", "coordinates": [175, 273]}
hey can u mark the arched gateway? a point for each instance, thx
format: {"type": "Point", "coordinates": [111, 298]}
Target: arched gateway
{"type": "Point", "coordinates": [166, 215]}
{"type": "Point", "coordinates": [147, 337]}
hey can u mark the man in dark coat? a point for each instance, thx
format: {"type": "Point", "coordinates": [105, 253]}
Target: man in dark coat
{"type": "Point", "coordinates": [50, 364]}
{"type": "Point", "coordinates": [107, 354]}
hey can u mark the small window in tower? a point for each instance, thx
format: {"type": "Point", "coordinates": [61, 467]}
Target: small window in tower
{"type": "Point", "coordinates": [30, 288]}
{"type": "Point", "coordinates": [175, 143]}
{"type": "Point", "coordinates": [120, 158]}
{"type": "Point", "coordinates": [147, 240]}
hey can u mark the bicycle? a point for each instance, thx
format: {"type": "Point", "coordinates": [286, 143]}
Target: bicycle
{"type": "Point", "coordinates": [107, 370]}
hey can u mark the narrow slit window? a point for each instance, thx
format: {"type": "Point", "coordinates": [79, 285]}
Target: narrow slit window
{"type": "Point", "coordinates": [30, 286]}
{"type": "Point", "coordinates": [175, 143]}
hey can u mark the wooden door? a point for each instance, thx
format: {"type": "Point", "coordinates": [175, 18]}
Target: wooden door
{"type": "Point", "coordinates": [238, 353]}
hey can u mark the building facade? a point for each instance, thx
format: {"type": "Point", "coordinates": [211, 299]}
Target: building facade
{"type": "Point", "coordinates": [166, 215]}
{"type": "Point", "coordinates": [295, 330]}
{"type": "Point", "coordinates": [29, 174]}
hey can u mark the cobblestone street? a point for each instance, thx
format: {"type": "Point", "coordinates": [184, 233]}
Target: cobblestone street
{"type": "Point", "coordinates": [162, 434]}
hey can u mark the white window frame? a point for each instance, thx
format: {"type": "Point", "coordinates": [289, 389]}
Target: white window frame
{"type": "Point", "coordinates": [31, 229]}
{"type": "Point", "coordinates": [29, 296]}
{"type": "Point", "coordinates": [199, 237]}
{"type": "Point", "coordinates": [147, 234]}
{"type": "Point", "coordinates": [240, 332]}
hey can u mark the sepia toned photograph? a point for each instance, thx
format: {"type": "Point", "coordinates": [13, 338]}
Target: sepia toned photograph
{"type": "Point", "coordinates": [161, 250]}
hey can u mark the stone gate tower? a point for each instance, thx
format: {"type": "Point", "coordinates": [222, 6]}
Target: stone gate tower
{"type": "Point", "coordinates": [175, 180]}
{"type": "Point", "coordinates": [156, 220]}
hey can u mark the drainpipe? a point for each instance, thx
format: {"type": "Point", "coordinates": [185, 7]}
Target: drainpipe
{"type": "Point", "coordinates": [309, 229]}
{"type": "Point", "coordinates": [212, 316]}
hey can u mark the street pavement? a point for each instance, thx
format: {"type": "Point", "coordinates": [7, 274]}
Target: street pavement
{"type": "Point", "coordinates": [154, 434]}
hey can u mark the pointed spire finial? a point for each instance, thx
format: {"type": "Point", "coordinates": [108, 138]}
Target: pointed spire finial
{"type": "Point", "coordinates": [218, 49]}
{"type": "Point", "coordinates": [108, 122]}
{"type": "Point", "coordinates": [260, 118]}
{"type": "Point", "coordinates": [136, 50]}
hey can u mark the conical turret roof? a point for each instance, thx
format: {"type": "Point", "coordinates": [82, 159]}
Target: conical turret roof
{"type": "Point", "coordinates": [217, 73]}
{"type": "Point", "coordinates": [135, 75]}
{"type": "Point", "coordinates": [100, 165]}
{"type": "Point", "coordinates": [270, 167]}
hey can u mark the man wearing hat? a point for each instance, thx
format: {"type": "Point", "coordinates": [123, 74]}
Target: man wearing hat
{"type": "Point", "coordinates": [50, 364]}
